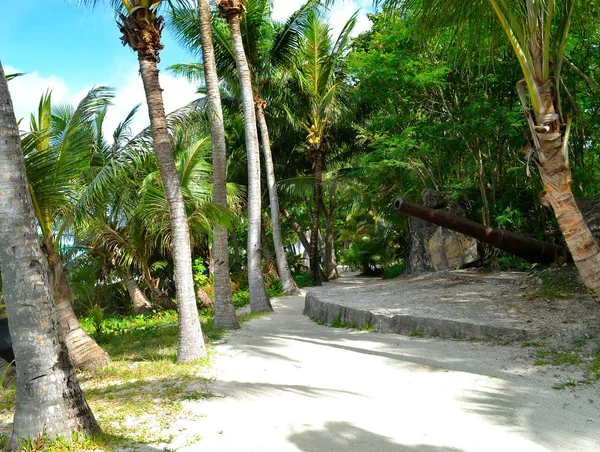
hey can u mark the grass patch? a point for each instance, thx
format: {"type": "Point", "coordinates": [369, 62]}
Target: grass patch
{"type": "Point", "coordinates": [417, 333]}
{"type": "Point", "coordinates": [253, 315]}
{"type": "Point", "coordinates": [337, 323]}
{"type": "Point", "coordinates": [138, 397]}
{"type": "Point", "coordinates": [559, 282]}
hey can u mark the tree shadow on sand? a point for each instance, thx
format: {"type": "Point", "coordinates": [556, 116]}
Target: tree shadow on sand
{"type": "Point", "coordinates": [345, 437]}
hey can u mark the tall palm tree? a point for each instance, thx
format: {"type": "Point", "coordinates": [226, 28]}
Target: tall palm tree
{"type": "Point", "coordinates": [49, 399]}
{"type": "Point", "coordinates": [232, 11]}
{"type": "Point", "coordinates": [319, 81]}
{"type": "Point", "coordinates": [57, 153]}
{"type": "Point", "coordinates": [270, 48]}
{"type": "Point", "coordinates": [142, 29]}
{"type": "Point", "coordinates": [538, 31]}
{"type": "Point", "coordinates": [224, 308]}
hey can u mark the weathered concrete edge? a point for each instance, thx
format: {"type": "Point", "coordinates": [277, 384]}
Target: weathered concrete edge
{"type": "Point", "coordinates": [406, 324]}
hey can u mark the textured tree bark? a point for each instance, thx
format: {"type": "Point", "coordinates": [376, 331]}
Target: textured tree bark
{"type": "Point", "coordinates": [553, 163]}
{"type": "Point", "coordinates": [266, 251]}
{"type": "Point", "coordinates": [49, 399]}
{"type": "Point", "coordinates": [285, 275]}
{"type": "Point", "coordinates": [84, 352]}
{"type": "Point", "coordinates": [258, 294]}
{"type": "Point", "coordinates": [224, 308]}
{"type": "Point", "coordinates": [190, 342]}
{"type": "Point", "coordinates": [315, 269]}
{"type": "Point", "coordinates": [141, 304]}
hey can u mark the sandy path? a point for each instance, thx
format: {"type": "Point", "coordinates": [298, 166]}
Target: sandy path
{"type": "Point", "coordinates": [289, 384]}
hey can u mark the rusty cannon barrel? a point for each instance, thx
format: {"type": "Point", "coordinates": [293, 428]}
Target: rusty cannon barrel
{"type": "Point", "coordinates": [526, 247]}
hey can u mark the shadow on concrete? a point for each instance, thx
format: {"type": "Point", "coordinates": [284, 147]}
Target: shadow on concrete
{"type": "Point", "coordinates": [345, 437]}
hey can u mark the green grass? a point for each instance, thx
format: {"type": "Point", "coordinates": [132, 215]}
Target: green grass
{"type": "Point", "coordinates": [563, 282]}
{"type": "Point", "coordinates": [140, 394]}
{"type": "Point", "coordinates": [417, 333]}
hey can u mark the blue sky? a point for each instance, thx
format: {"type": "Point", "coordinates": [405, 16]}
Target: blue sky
{"type": "Point", "coordinates": [69, 48]}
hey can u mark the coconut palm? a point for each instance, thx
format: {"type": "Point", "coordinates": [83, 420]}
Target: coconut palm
{"type": "Point", "coordinates": [57, 153]}
{"type": "Point", "coordinates": [232, 11]}
{"type": "Point", "coordinates": [224, 308]}
{"type": "Point", "coordinates": [49, 399]}
{"type": "Point", "coordinates": [270, 48]}
{"type": "Point", "coordinates": [319, 81]}
{"type": "Point", "coordinates": [142, 29]}
{"type": "Point", "coordinates": [538, 31]}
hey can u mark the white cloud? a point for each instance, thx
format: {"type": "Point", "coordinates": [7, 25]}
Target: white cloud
{"type": "Point", "coordinates": [27, 90]}
{"type": "Point", "coordinates": [340, 13]}
{"type": "Point", "coordinates": [177, 93]}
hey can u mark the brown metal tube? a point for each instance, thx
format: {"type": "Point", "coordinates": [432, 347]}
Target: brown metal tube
{"type": "Point", "coordinates": [531, 249]}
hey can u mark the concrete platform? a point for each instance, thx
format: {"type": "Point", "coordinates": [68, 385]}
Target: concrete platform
{"type": "Point", "coordinates": [460, 305]}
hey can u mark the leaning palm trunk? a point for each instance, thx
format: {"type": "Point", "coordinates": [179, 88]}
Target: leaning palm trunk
{"type": "Point", "coordinates": [553, 162]}
{"type": "Point", "coordinates": [84, 352]}
{"type": "Point", "coordinates": [224, 308]}
{"type": "Point", "coordinates": [49, 399]}
{"type": "Point", "coordinates": [141, 304]}
{"type": "Point", "coordinates": [549, 145]}
{"type": "Point", "coordinates": [142, 32]}
{"type": "Point", "coordinates": [232, 10]}
{"type": "Point", "coordinates": [285, 275]}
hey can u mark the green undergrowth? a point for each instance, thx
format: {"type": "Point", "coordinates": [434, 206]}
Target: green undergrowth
{"type": "Point", "coordinates": [559, 282]}
{"type": "Point", "coordinates": [303, 280]}
{"type": "Point", "coordinates": [337, 323]}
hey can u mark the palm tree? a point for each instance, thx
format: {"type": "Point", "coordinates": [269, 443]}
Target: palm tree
{"type": "Point", "coordinates": [224, 308]}
{"type": "Point", "coordinates": [270, 48]}
{"type": "Point", "coordinates": [142, 29]}
{"type": "Point", "coordinates": [49, 399]}
{"type": "Point", "coordinates": [319, 82]}
{"type": "Point", "coordinates": [232, 11]}
{"type": "Point", "coordinates": [57, 153]}
{"type": "Point", "coordinates": [538, 31]}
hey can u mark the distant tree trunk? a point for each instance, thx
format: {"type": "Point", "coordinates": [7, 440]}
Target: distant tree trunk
{"type": "Point", "coordinates": [158, 298]}
{"type": "Point", "coordinates": [315, 269]}
{"type": "Point", "coordinates": [49, 399]}
{"type": "Point", "coordinates": [285, 275]}
{"type": "Point", "coordinates": [84, 352]}
{"type": "Point", "coordinates": [266, 251]}
{"type": "Point", "coordinates": [235, 244]}
{"type": "Point", "coordinates": [224, 308]}
{"type": "Point", "coordinates": [301, 236]}
{"type": "Point", "coordinates": [332, 272]}
{"type": "Point", "coordinates": [190, 342]}
{"type": "Point", "coordinates": [140, 303]}
{"type": "Point", "coordinates": [258, 295]}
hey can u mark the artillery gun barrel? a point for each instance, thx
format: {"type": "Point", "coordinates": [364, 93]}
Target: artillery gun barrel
{"type": "Point", "coordinates": [526, 247]}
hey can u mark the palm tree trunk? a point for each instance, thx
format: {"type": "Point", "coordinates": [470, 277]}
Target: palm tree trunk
{"type": "Point", "coordinates": [49, 399]}
{"type": "Point", "coordinates": [141, 304]}
{"type": "Point", "coordinates": [266, 251]}
{"type": "Point", "coordinates": [258, 295]}
{"type": "Point", "coordinates": [297, 228]}
{"type": "Point", "coordinates": [553, 163]}
{"type": "Point", "coordinates": [190, 342]}
{"type": "Point", "coordinates": [285, 275]}
{"type": "Point", "coordinates": [330, 238]}
{"type": "Point", "coordinates": [315, 269]}
{"type": "Point", "coordinates": [224, 308]}
{"type": "Point", "coordinates": [84, 352]}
